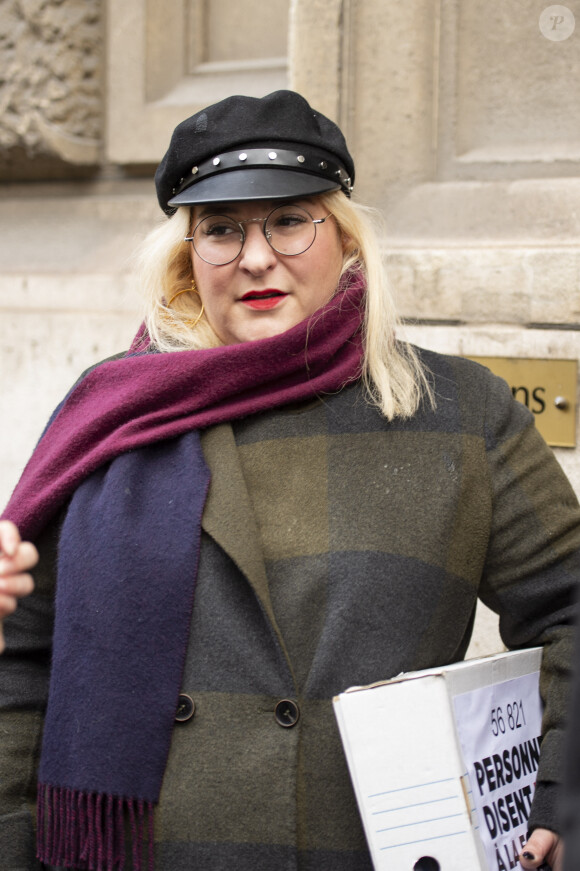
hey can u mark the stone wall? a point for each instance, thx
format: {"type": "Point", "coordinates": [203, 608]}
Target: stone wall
{"type": "Point", "coordinates": [51, 87]}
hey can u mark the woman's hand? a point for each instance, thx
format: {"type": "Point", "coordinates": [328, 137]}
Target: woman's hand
{"type": "Point", "coordinates": [16, 557]}
{"type": "Point", "coordinates": [543, 846]}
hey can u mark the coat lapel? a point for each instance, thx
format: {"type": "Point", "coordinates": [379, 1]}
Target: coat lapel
{"type": "Point", "coordinates": [229, 515]}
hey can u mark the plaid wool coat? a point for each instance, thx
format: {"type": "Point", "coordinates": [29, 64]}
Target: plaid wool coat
{"type": "Point", "coordinates": [337, 548]}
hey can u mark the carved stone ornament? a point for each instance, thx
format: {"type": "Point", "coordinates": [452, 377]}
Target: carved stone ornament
{"type": "Point", "coordinates": [50, 83]}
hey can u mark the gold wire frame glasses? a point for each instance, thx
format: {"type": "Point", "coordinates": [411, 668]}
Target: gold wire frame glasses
{"type": "Point", "coordinates": [289, 230]}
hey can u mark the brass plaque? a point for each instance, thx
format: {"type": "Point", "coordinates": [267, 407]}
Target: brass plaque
{"type": "Point", "coordinates": [547, 388]}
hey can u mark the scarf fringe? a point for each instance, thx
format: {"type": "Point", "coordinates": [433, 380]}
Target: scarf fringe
{"type": "Point", "coordinates": [88, 830]}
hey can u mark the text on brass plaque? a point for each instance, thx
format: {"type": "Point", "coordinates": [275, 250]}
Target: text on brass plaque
{"type": "Point", "coordinates": [547, 388]}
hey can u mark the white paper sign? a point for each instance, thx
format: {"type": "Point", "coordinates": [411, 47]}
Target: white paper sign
{"type": "Point", "coordinates": [499, 728]}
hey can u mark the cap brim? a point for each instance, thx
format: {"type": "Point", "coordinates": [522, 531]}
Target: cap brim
{"type": "Point", "coordinates": [253, 184]}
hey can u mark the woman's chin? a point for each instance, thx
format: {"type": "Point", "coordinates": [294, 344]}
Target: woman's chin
{"type": "Point", "coordinates": [264, 327]}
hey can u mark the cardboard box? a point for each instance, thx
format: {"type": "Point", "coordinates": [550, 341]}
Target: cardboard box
{"type": "Point", "coordinates": [443, 762]}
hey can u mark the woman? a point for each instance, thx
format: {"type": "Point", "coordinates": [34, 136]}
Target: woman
{"type": "Point", "coordinates": [267, 500]}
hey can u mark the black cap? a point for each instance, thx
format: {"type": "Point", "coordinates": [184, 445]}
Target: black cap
{"type": "Point", "coordinates": [248, 148]}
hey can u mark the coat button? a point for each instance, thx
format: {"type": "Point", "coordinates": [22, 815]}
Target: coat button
{"type": "Point", "coordinates": [286, 713]}
{"type": "Point", "coordinates": [185, 708]}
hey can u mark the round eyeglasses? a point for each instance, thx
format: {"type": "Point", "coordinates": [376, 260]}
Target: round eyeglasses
{"type": "Point", "coordinates": [289, 230]}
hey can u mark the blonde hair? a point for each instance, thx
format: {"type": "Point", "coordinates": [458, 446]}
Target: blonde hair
{"type": "Point", "coordinates": [393, 375]}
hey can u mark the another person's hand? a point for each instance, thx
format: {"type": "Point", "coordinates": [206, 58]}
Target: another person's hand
{"type": "Point", "coordinates": [543, 849]}
{"type": "Point", "coordinates": [16, 557]}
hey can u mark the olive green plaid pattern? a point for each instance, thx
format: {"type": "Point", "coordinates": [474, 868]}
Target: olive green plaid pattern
{"type": "Point", "coordinates": [337, 549]}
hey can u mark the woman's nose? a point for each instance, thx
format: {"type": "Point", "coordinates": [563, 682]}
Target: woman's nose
{"type": "Point", "coordinates": [257, 255]}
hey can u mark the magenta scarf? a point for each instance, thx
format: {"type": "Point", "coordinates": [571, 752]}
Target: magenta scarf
{"type": "Point", "coordinates": [123, 454]}
{"type": "Point", "coordinates": [138, 400]}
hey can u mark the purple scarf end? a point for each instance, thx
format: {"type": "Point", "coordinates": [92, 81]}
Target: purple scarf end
{"type": "Point", "coordinates": [89, 830]}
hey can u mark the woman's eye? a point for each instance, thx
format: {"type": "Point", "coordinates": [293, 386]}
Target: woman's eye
{"type": "Point", "coordinates": [289, 220]}
{"type": "Point", "coordinates": [219, 229]}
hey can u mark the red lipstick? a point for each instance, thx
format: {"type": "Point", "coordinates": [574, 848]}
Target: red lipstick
{"type": "Point", "coordinates": [262, 300]}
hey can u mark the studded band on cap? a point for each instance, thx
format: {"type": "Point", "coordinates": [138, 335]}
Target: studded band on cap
{"type": "Point", "coordinates": [253, 148]}
{"type": "Point", "coordinates": [305, 161]}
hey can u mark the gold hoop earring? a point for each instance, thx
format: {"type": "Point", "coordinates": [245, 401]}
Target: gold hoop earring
{"type": "Point", "coordinates": [191, 322]}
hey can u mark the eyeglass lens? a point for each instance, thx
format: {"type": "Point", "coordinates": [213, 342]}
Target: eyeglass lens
{"type": "Point", "coordinates": [218, 239]}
